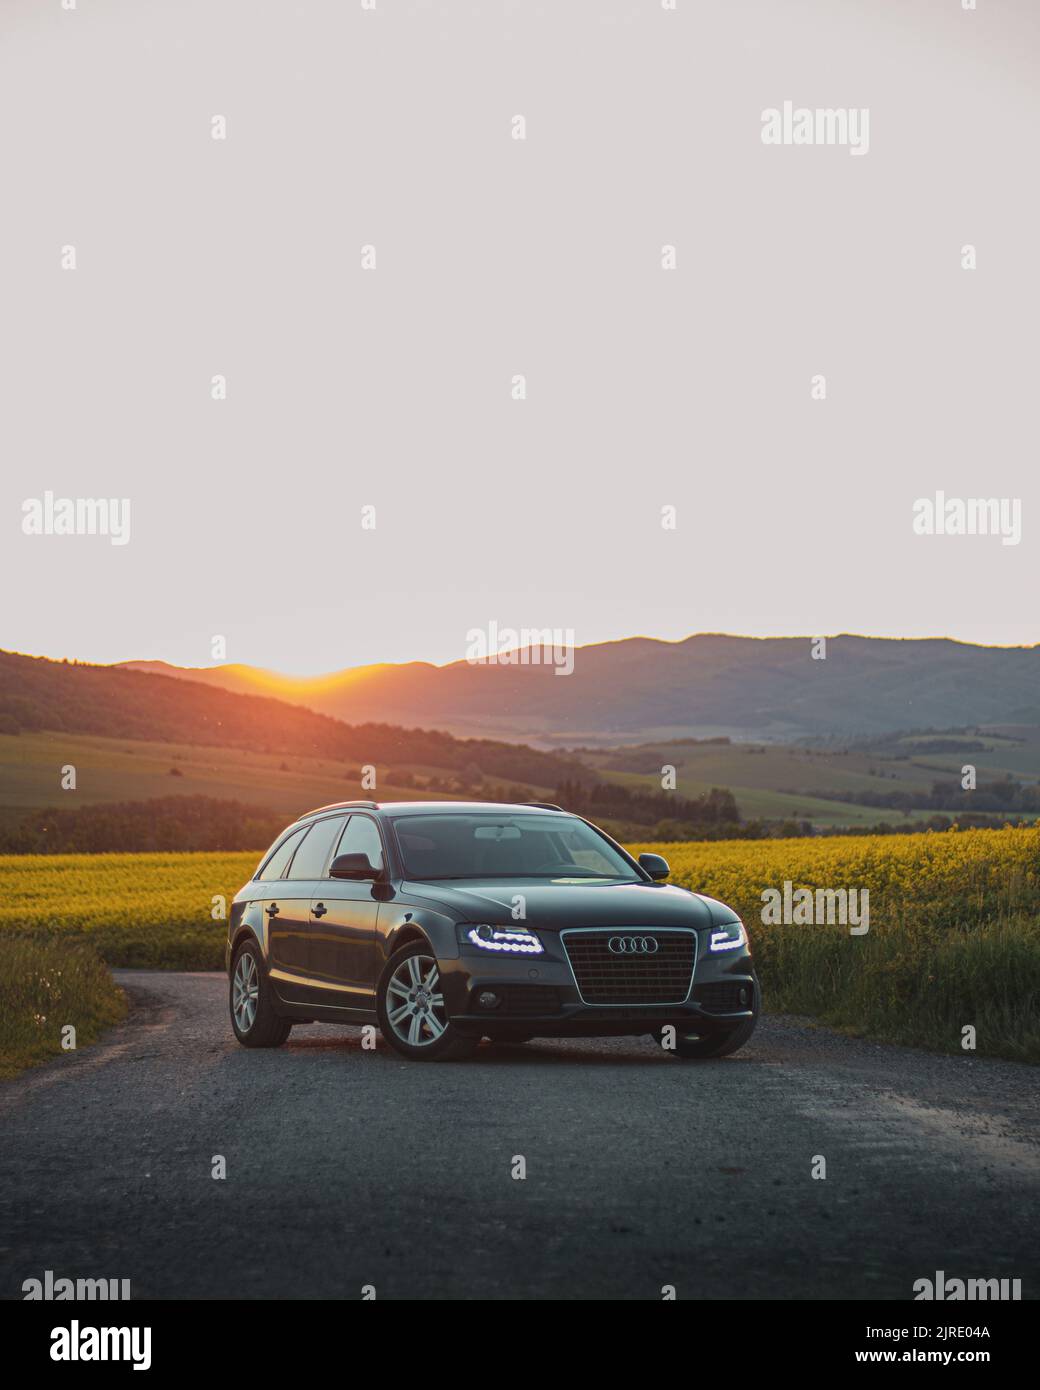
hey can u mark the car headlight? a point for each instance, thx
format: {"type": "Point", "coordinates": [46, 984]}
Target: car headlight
{"type": "Point", "coordinates": [509, 940]}
{"type": "Point", "coordinates": [728, 937]}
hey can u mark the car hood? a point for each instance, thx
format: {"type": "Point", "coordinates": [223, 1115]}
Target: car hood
{"type": "Point", "coordinates": [558, 903]}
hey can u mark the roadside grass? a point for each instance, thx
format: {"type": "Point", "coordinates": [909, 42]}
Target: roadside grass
{"type": "Point", "coordinates": [920, 988]}
{"type": "Point", "coordinates": [44, 987]}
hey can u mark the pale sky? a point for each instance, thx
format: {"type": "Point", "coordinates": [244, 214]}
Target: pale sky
{"type": "Point", "coordinates": [392, 387]}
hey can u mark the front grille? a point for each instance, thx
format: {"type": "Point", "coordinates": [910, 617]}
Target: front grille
{"type": "Point", "coordinates": [631, 977]}
{"type": "Point", "coordinates": [723, 996]}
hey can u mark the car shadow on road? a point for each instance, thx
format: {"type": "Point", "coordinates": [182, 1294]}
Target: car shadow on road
{"type": "Point", "coordinates": [604, 1052]}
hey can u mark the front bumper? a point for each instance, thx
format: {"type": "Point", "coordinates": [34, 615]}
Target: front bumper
{"type": "Point", "coordinates": [540, 995]}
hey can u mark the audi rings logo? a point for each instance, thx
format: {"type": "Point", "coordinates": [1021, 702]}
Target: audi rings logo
{"type": "Point", "coordinates": [632, 945]}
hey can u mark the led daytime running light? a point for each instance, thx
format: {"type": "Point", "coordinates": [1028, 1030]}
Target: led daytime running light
{"type": "Point", "coordinates": [523, 943]}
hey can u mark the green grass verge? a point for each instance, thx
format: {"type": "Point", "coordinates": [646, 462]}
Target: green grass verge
{"type": "Point", "coordinates": [46, 987]}
{"type": "Point", "coordinates": [913, 986]}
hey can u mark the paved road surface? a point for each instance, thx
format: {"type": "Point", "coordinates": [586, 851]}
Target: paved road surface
{"type": "Point", "coordinates": [347, 1168]}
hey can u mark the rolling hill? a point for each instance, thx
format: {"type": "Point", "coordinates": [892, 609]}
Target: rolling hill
{"type": "Point", "coordinates": [75, 698]}
{"type": "Point", "coordinates": [136, 736]}
{"type": "Point", "coordinates": [136, 739]}
{"type": "Point", "coordinates": [640, 689]}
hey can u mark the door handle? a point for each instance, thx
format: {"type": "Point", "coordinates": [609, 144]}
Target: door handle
{"type": "Point", "coordinates": [320, 910]}
{"type": "Point", "coordinates": [272, 910]}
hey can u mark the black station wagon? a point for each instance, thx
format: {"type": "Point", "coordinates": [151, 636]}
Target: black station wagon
{"type": "Point", "coordinates": [449, 922]}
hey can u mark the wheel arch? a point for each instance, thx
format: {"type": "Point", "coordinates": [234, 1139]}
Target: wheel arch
{"type": "Point", "coordinates": [407, 935]}
{"type": "Point", "coordinates": [244, 933]}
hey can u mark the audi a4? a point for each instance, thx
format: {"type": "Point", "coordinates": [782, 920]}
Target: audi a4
{"type": "Point", "coordinates": [449, 922]}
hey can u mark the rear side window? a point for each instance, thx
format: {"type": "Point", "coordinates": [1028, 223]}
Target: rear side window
{"type": "Point", "coordinates": [309, 860]}
{"type": "Point", "coordinates": [279, 861]}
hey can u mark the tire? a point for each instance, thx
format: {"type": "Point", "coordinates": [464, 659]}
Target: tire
{"type": "Point", "coordinates": [720, 1043]}
{"type": "Point", "coordinates": [263, 1027]}
{"type": "Point", "coordinates": [411, 1010]}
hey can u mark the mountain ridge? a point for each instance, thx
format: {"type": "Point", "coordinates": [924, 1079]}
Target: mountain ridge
{"type": "Point", "coordinates": [706, 684]}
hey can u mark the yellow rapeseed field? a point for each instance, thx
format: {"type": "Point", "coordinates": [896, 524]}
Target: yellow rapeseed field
{"type": "Point", "coordinates": [136, 909]}
{"type": "Point", "coordinates": [935, 879]}
{"type": "Point", "coordinates": [158, 909]}
{"type": "Point", "coordinates": [952, 956]}
{"type": "Point", "coordinates": [951, 959]}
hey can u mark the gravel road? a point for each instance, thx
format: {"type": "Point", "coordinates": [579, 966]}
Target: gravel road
{"type": "Point", "coordinates": [347, 1168]}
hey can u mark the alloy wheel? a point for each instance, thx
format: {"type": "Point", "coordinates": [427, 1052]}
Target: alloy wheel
{"type": "Point", "coordinates": [414, 1005]}
{"type": "Point", "coordinates": [245, 991]}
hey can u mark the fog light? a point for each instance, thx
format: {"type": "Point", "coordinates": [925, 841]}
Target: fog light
{"type": "Point", "coordinates": [487, 999]}
{"type": "Point", "coordinates": [744, 997]}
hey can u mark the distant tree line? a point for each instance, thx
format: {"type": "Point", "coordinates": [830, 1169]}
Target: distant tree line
{"type": "Point", "coordinates": [196, 823]}
{"type": "Point", "coordinates": [173, 823]}
{"type": "Point", "coordinates": [1005, 794]}
{"type": "Point", "coordinates": [668, 815]}
{"type": "Point", "coordinates": [908, 742]}
{"type": "Point", "coordinates": [968, 821]}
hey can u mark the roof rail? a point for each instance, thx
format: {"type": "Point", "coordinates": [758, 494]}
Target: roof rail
{"type": "Point", "coordinates": [339, 805]}
{"type": "Point", "coordinates": [542, 805]}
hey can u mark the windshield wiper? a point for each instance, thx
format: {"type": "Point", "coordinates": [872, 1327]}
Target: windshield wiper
{"type": "Point", "coordinates": [564, 872]}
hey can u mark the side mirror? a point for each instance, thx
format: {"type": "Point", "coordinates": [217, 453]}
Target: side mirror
{"type": "Point", "coordinates": [352, 866]}
{"type": "Point", "coordinates": [655, 866]}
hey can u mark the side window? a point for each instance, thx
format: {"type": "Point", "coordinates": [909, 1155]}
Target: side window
{"type": "Point", "coordinates": [362, 837]}
{"type": "Point", "coordinates": [310, 858]}
{"type": "Point", "coordinates": [279, 861]}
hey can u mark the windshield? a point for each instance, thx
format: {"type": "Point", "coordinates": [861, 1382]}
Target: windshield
{"type": "Point", "coordinates": [522, 845]}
